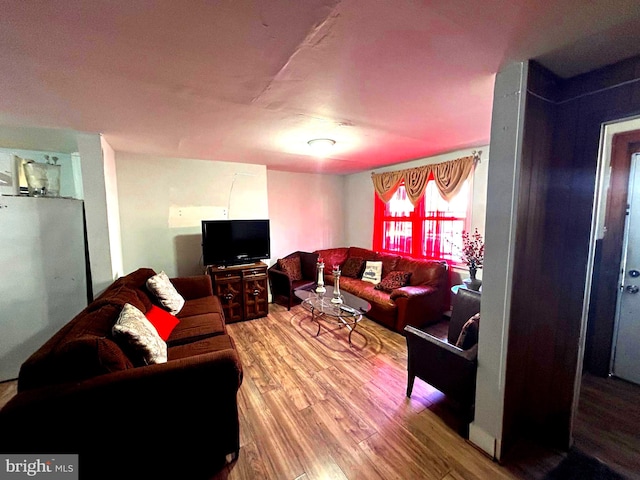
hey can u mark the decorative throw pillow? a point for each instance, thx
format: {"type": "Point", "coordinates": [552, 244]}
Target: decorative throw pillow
{"type": "Point", "coordinates": [469, 334]}
{"type": "Point", "coordinates": [140, 335]}
{"type": "Point", "coordinates": [292, 267]}
{"type": "Point", "coordinates": [372, 272]}
{"type": "Point", "coordinates": [162, 320]}
{"type": "Point", "coordinates": [394, 280]}
{"type": "Point", "coordinates": [352, 267]}
{"type": "Point", "coordinates": [165, 292]}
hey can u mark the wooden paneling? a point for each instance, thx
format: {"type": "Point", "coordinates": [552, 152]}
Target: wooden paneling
{"type": "Point", "coordinates": [530, 355]}
{"type": "Point", "coordinates": [562, 125]}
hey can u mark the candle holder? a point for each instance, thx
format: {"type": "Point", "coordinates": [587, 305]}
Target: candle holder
{"type": "Point", "coordinates": [337, 298]}
{"type": "Point", "coordinates": [320, 289]}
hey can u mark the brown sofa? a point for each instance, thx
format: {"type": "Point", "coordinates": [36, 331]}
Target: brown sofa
{"type": "Point", "coordinates": [83, 392]}
{"type": "Point", "coordinates": [423, 301]}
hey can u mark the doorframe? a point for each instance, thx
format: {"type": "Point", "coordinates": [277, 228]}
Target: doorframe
{"type": "Point", "coordinates": [634, 151]}
{"type": "Point", "coordinates": [613, 178]}
{"type": "Point", "coordinates": [605, 296]}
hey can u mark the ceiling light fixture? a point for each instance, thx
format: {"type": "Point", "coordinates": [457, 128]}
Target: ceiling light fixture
{"type": "Point", "coordinates": [321, 146]}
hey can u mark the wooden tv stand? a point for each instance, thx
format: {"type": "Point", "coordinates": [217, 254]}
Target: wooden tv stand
{"type": "Point", "coordinates": [242, 290]}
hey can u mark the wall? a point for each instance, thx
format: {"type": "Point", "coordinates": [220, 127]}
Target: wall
{"type": "Point", "coordinates": [359, 199]}
{"type": "Point", "coordinates": [113, 208]}
{"type": "Point", "coordinates": [98, 200]}
{"type": "Point", "coordinates": [163, 200]}
{"type": "Point", "coordinates": [503, 182]}
{"type": "Point", "coordinates": [529, 378]}
{"type": "Point", "coordinates": [306, 210]}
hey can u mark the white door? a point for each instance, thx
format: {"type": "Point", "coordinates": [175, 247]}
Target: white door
{"type": "Point", "coordinates": [626, 352]}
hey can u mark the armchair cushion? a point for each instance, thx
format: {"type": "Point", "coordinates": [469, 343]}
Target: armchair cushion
{"type": "Point", "coordinates": [469, 334]}
{"type": "Point", "coordinates": [292, 267]}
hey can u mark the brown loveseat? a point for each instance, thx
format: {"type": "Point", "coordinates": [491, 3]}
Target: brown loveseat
{"type": "Point", "coordinates": [423, 301]}
{"type": "Point", "coordinates": [83, 392]}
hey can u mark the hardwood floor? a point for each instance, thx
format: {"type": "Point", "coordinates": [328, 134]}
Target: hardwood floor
{"type": "Point", "coordinates": [608, 423]}
{"type": "Point", "coordinates": [313, 407]}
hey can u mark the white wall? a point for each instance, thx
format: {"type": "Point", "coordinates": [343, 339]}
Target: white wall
{"type": "Point", "coordinates": [96, 204]}
{"type": "Point", "coordinates": [163, 201]}
{"type": "Point", "coordinates": [306, 211]}
{"type": "Point", "coordinates": [113, 207]}
{"type": "Point", "coordinates": [501, 220]}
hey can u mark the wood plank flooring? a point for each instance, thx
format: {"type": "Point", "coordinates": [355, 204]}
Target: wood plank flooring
{"type": "Point", "coordinates": [314, 408]}
{"type": "Point", "coordinates": [608, 423]}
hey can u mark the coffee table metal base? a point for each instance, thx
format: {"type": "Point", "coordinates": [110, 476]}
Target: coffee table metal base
{"type": "Point", "coordinates": [345, 318]}
{"type": "Point", "coordinates": [346, 314]}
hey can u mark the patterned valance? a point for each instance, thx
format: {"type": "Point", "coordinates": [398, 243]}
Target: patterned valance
{"type": "Point", "coordinates": [449, 177]}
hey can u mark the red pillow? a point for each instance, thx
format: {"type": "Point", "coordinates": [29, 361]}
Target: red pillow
{"type": "Point", "coordinates": [162, 320]}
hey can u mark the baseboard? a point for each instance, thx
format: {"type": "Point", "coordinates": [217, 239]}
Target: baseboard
{"type": "Point", "coordinates": [482, 440]}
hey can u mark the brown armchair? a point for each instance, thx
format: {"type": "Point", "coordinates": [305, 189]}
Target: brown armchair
{"type": "Point", "coordinates": [439, 362]}
{"type": "Point", "coordinates": [282, 285]}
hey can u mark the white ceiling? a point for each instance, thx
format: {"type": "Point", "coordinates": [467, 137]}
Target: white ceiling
{"type": "Point", "coordinates": [252, 81]}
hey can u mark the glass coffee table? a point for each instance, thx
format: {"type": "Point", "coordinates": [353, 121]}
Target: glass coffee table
{"type": "Point", "coordinates": [347, 314]}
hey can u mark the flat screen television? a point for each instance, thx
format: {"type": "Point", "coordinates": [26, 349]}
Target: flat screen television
{"type": "Point", "coordinates": [234, 242]}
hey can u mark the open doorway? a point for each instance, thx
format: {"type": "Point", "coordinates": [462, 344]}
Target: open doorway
{"type": "Point", "coordinates": [608, 416]}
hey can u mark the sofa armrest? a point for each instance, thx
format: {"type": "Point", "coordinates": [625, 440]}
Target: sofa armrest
{"type": "Point", "coordinates": [196, 286]}
{"type": "Point", "coordinates": [279, 280]}
{"type": "Point", "coordinates": [428, 341]}
{"type": "Point", "coordinates": [411, 291]}
{"type": "Point", "coordinates": [417, 305]}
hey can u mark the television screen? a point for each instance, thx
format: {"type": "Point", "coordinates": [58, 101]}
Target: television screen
{"type": "Point", "coordinates": [233, 242]}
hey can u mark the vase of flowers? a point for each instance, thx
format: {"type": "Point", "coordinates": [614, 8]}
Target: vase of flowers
{"type": "Point", "coordinates": [473, 257]}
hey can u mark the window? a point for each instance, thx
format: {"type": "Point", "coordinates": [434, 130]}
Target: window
{"type": "Point", "coordinates": [432, 229]}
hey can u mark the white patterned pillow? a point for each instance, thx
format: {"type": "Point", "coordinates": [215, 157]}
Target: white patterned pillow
{"type": "Point", "coordinates": [166, 293]}
{"type": "Point", "coordinates": [140, 334]}
{"type": "Point", "coordinates": [372, 272]}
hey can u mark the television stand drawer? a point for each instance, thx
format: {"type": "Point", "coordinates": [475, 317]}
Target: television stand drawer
{"type": "Point", "coordinates": [242, 290]}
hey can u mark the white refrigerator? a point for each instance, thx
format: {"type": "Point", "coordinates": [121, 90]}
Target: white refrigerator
{"type": "Point", "coordinates": [43, 280]}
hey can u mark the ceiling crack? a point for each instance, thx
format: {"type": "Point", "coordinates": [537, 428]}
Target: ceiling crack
{"type": "Point", "coordinates": [315, 37]}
